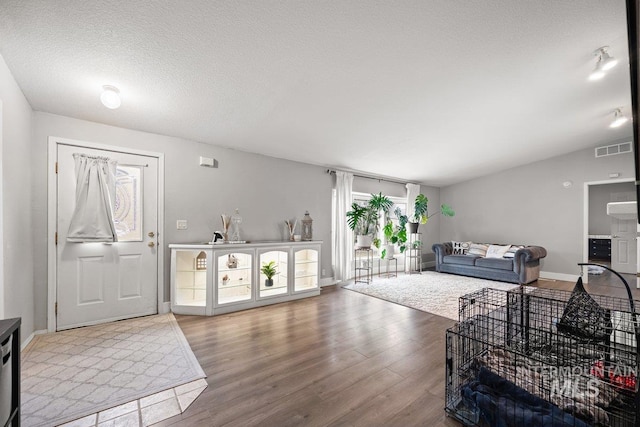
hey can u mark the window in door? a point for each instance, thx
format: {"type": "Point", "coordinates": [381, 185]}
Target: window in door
{"type": "Point", "coordinates": [127, 212]}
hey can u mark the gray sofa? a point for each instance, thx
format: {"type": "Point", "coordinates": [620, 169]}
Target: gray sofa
{"type": "Point", "coordinates": [523, 268]}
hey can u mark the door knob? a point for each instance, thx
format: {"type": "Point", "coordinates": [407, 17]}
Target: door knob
{"type": "Point", "coordinates": [151, 244]}
{"type": "Point", "coordinates": [151, 234]}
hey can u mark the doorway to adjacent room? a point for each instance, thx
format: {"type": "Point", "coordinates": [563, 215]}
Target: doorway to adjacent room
{"type": "Point", "coordinates": [609, 238]}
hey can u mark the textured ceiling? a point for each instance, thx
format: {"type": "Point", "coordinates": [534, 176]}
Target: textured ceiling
{"type": "Point", "coordinates": [429, 91]}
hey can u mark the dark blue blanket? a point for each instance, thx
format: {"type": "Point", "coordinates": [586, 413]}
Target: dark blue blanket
{"type": "Point", "coordinates": [503, 404]}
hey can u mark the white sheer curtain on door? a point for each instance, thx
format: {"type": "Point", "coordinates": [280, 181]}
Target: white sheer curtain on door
{"type": "Point", "coordinates": [412, 192]}
{"type": "Point", "coordinates": [342, 238]}
{"type": "Point", "coordinates": [92, 219]}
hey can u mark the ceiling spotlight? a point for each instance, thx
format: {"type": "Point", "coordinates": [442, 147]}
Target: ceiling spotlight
{"type": "Point", "coordinates": [619, 119]}
{"type": "Point", "coordinates": [605, 63]}
{"type": "Point", "coordinates": [110, 97]}
{"type": "Point", "coordinates": [608, 61]}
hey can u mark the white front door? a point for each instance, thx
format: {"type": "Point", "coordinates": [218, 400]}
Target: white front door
{"type": "Point", "coordinates": [623, 238]}
{"type": "Point", "coordinates": [623, 245]}
{"type": "Point", "coordinates": [100, 282]}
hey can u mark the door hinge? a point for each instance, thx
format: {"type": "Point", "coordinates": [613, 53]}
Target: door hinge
{"type": "Point", "coordinates": [56, 309]}
{"type": "Point", "coordinates": [56, 167]}
{"type": "Point", "coordinates": [56, 238]}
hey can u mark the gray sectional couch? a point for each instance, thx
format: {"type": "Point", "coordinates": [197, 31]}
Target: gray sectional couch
{"type": "Point", "coordinates": [523, 268]}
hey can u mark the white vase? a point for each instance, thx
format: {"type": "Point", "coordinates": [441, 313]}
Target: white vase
{"type": "Point", "coordinates": [391, 249]}
{"type": "Point", "coordinates": [363, 241]}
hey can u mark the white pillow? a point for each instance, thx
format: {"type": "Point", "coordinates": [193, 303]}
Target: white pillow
{"type": "Point", "coordinates": [497, 251]}
{"type": "Point", "coordinates": [511, 253]}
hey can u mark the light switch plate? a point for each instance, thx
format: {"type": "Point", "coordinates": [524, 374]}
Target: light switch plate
{"type": "Point", "coordinates": [181, 224]}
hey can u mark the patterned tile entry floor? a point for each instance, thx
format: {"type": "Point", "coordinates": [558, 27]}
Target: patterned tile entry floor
{"type": "Point", "coordinates": [130, 365]}
{"type": "Point", "coordinates": [146, 411]}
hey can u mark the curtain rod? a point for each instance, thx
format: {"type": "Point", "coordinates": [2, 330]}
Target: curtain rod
{"type": "Point", "coordinates": [333, 172]}
{"type": "Point", "coordinates": [133, 166]}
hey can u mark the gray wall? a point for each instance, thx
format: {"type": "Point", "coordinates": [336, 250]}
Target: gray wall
{"type": "Point", "coordinates": [529, 205]}
{"type": "Point", "coordinates": [599, 196]}
{"type": "Point", "coordinates": [18, 258]}
{"type": "Point", "coordinates": [266, 190]}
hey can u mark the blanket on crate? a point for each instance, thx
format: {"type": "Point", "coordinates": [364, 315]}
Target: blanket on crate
{"type": "Point", "coordinates": [501, 403]}
{"type": "Point", "coordinates": [573, 389]}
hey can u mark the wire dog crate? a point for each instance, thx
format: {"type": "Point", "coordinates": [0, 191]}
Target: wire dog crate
{"type": "Point", "coordinates": [509, 362]}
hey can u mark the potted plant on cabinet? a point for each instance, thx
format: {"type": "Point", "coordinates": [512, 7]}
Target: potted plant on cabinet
{"type": "Point", "coordinates": [395, 235]}
{"type": "Point", "coordinates": [269, 270]}
{"type": "Point", "coordinates": [364, 220]}
{"type": "Point", "coordinates": [421, 212]}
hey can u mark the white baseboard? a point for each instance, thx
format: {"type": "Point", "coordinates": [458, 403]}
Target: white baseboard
{"type": "Point", "coordinates": [327, 281]}
{"type": "Point", "coordinates": [558, 276]}
{"type": "Point", "coordinates": [30, 337]}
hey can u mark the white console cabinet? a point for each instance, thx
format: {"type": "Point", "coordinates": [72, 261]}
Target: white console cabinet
{"type": "Point", "coordinates": [211, 279]}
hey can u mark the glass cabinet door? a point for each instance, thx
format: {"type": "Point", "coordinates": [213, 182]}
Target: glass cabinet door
{"type": "Point", "coordinates": [191, 277]}
{"type": "Point", "coordinates": [306, 270]}
{"type": "Point", "coordinates": [279, 282]}
{"type": "Point", "coordinates": [235, 275]}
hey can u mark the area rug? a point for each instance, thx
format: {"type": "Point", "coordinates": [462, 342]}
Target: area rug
{"type": "Point", "coordinates": [67, 375]}
{"type": "Point", "coordinates": [435, 293]}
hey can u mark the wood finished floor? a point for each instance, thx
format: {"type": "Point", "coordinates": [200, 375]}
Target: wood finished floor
{"type": "Point", "coordinates": [339, 359]}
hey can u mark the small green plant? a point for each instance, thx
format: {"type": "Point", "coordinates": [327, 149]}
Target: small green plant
{"type": "Point", "coordinates": [396, 234]}
{"type": "Point", "coordinates": [269, 269]}
{"type": "Point", "coordinates": [421, 211]}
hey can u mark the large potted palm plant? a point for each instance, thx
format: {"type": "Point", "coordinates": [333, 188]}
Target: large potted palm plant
{"type": "Point", "coordinates": [364, 220]}
{"type": "Point", "coordinates": [421, 212]}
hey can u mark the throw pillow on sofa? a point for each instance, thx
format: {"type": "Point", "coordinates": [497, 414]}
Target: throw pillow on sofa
{"type": "Point", "coordinates": [460, 248]}
{"type": "Point", "coordinates": [478, 249]}
{"type": "Point", "coordinates": [497, 251]}
{"type": "Point", "coordinates": [511, 253]}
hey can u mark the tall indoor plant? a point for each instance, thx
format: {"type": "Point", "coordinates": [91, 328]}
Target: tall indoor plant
{"type": "Point", "coordinates": [421, 212]}
{"type": "Point", "coordinates": [364, 220]}
{"type": "Point", "coordinates": [396, 234]}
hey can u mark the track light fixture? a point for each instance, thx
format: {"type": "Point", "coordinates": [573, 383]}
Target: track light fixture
{"type": "Point", "coordinates": [110, 97]}
{"type": "Point", "coordinates": [604, 64]}
{"type": "Point", "coordinates": [618, 118]}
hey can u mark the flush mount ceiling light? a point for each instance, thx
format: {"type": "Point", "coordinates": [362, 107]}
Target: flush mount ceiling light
{"type": "Point", "coordinates": [605, 63]}
{"type": "Point", "coordinates": [110, 97]}
{"type": "Point", "coordinates": [619, 118]}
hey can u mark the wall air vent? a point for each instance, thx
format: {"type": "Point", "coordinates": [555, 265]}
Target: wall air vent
{"type": "Point", "coordinates": [610, 150]}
